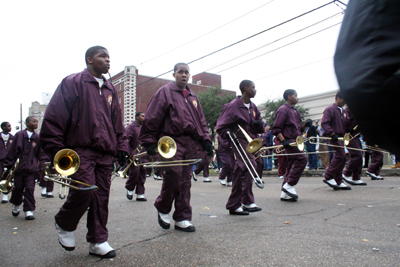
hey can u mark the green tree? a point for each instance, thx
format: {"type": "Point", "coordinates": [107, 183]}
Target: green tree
{"type": "Point", "coordinates": [212, 101]}
{"type": "Point", "coordinates": [271, 106]}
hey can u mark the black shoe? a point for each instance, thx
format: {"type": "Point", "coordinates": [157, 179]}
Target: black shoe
{"type": "Point", "coordinates": [30, 218]}
{"type": "Point", "coordinates": [163, 224]}
{"type": "Point", "coordinates": [43, 195]}
{"type": "Point", "coordinates": [49, 196]}
{"type": "Point", "coordinates": [4, 201]}
{"type": "Point", "coordinates": [15, 214]}
{"type": "Point", "coordinates": [254, 209]}
{"type": "Point", "coordinates": [143, 199]}
{"type": "Point", "coordinates": [289, 199]}
{"type": "Point", "coordinates": [335, 187]}
{"type": "Point", "coordinates": [234, 212]}
{"type": "Point", "coordinates": [110, 254]}
{"type": "Point", "coordinates": [187, 229]}
{"type": "Point", "coordinates": [130, 197]}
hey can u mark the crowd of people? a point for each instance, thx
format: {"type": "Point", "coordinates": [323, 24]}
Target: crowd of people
{"type": "Point", "coordinates": [84, 115]}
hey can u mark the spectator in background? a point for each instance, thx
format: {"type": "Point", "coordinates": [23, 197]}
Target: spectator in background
{"type": "Point", "coordinates": [268, 137]}
{"type": "Point", "coordinates": [311, 131]}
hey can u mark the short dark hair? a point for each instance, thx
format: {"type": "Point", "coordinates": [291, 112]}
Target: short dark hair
{"type": "Point", "coordinates": [4, 124]}
{"type": "Point", "coordinates": [177, 64]}
{"type": "Point", "coordinates": [339, 94]}
{"type": "Point", "coordinates": [288, 92]}
{"type": "Point", "coordinates": [92, 51]}
{"type": "Point", "coordinates": [29, 118]}
{"type": "Point", "coordinates": [245, 83]}
{"type": "Point", "coordinates": [138, 113]}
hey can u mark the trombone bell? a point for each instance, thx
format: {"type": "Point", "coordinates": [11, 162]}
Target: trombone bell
{"type": "Point", "coordinates": [66, 162]}
{"type": "Point", "coordinates": [254, 144]}
{"type": "Point", "coordinates": [300, 142]}
{"type": "Point", "coordinates": [166, 147]}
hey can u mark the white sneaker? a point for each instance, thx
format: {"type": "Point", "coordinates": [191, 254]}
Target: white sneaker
{"type": "Point", "coordinates": [207, 180]}
{"type": "Point", "coordinates": [44, 192]}
{"type": "Point", "coordinates": [229, 184]}
{"type": "Point", "coordinates": [15, 210]}
{"type": "Point", "coordinates": [332, 183]}
{"type": "Point", "coordinates": [29, 215]}
{"type": "Point", "coordinates": [286, 197]}
{"type": "Point", "coordinates": [359, 182]}
{"type": "Point", "coordinates": [129, 195]}
{"type": "Point", "coordinates": [141, 197]}
{"type": "Point", "coordinates": [156, 177]}
{"type": "Point", "coordinates": [370, 174]}
{"type": "Point", "coordinates": [66, 238]}
{"type": "Point", "coordinates": [4, 199]}
{"type": "Point", "coordinates": [194, 176]}
{"type": "Point", "coordinates": [288, 189]}
{"type": "Point", "coordinates": [103, 250]}
{"type": "Point", "coordinates": [342, 186]}
{"type": "Point", "coordinates": [222, 182]}
{"type": "Point", "coordinates": [347, 179]}
{"type": "Point", "coordinates": [184, 226]}
{"type": "Point", "coordinates": [378, 177]}
{"type": "Point", "coordinates": [165, 217]}
{"type": "Point", "coordinates": [281, 177]}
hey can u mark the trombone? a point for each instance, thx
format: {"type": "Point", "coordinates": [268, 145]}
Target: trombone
{"type": "Point", "coordinates": [7, 185]}
{"type": "Point", "coordinates": [167, 148]}
{"type": "Point", "coordinates": [253, 146]}
{"type": "Point", "coordinates": [66, 163]}
{"type": "Point", "coordinates": [279, 149]}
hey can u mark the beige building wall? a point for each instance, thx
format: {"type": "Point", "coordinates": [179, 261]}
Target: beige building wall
{"type": "Point", "coordinates": [317, 103]}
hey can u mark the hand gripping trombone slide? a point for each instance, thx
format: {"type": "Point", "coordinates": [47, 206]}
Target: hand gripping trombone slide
{"type": "Point", "coordinates": [253, 146]}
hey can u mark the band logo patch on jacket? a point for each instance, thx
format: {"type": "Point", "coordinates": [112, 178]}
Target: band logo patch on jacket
{"type": "Point", "coordinates": [109, 99]}
{"type": "Point", "coordinates": [194, 103]}
{"type": "Point", "coordinates": [33, 144]}
{"type": "Point", "coordinates": [254, 113]}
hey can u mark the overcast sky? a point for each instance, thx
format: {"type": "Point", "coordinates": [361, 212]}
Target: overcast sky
{"type": "Point", "coordinates": [45, 41]}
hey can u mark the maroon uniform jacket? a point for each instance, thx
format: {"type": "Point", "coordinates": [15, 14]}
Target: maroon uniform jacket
{"type": "Point", "coordinates": [80, 114]}
{"type": "Point", "coordinates": [132, 133]}
{"type": "Point", "coordinates": [287, 121]}
{"type": "Point", "coordinates": [170, 113]}
{"type": "Point", "coordinates": [28, 151]}
{"type": "Point", "coordinates": [334, 121]}
{"type": "Point", "coordinates": [235, 113]}
{"type": "Point", "coordinates": [4, 147]}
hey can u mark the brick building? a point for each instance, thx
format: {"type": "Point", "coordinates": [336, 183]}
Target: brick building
{"type": "Point", "coordinates": [136, 90]}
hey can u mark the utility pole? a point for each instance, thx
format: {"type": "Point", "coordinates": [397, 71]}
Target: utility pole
{"type": "Point", "coordinates": [21, 115]}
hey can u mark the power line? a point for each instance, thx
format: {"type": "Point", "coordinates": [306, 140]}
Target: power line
{"type": "Point", "coordinates": [207, 33]}
{"type": "Point", "coordinates": [245, 39]}
{"type": "Point", "coordinates": [275, 41]}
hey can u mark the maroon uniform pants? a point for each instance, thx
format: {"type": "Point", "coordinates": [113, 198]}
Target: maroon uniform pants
{"type": "Point", "coordinates": [376, 161]}
{"type": "Point", "coordinates": [228, 164]}
{"type": "Point", "coordinates": [136, 179]}
{"type": "Point", "coordinates": [295, 165]}
{"type": "Point", "coordinates": [177, 182]}
{"type": "Point", "coordinates": [24, 188]}
{"type": "Point", "coordinates": [335, 169]}
{"type": "Point", "coordinates": [281, 164]}
{"type": "Point", "coordinates": [242, 183]}
{"type": "Point", "coordinates": [43, 183]}
{"type": "Point", "coordinates": [260, 166]}
{"type": "Point", "coordinates": [203, 165]}
{"type": "Point", "coordinates": [95, 169]}
{"type": "Point", "coordinates": [354, 165]}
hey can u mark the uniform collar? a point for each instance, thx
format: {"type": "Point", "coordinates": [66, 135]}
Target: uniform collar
{"type": "Point", "coordinates": [174, 87]}
{"type": "Point", "coordinates": [88, 77]}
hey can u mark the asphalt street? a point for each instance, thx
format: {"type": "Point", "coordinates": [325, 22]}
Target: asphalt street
{"type": "Point", "coordinates": [360, 227]}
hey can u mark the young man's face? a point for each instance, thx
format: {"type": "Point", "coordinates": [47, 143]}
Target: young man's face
{"type": "Point", "coordinates": [340, 101]}
{"type": "Point", "coordinates": [100, 61]}
{"type": "Point", "coordinates": [32, 123]}
{"type": "Point", "coordinates": [140, 118]}
{"type": "Point", "coordinates": [7, 128]}
{"type": "Point", "coordinates": [267, 128]}
{"type": "Point", "coordinates": [251, 90]}
{"type": "Point", "coordinates": [293, 99]}
{"type": "Point", "coordinates": [181, 76]}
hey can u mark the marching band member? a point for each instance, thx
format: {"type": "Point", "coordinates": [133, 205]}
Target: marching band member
{"type": "Point", "coordinates": [47, 186]}
{"type": "Point", "coordinates": [287, 127]}
{"type": "Point", "coordinates": [334, 125]}
{"type": "Point", "coordinates": [136, 174]}
{"type": "Point", "coordinates": [352, 173]}
{"type": "Point", "coordinates": [228, 161]}
{"type": "Point", "coordinates": [84, 115]}
{"type": "Point", "coordinates": [244, 112]}
{"type": "Point", "coordinates": [175, 111]}
{"type": "Point", "coordinates": [6, 139]}
{"type": "Point", "coordinates": [26, 147]}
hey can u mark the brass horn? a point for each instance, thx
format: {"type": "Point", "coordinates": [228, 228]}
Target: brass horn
{"type": "Point", "coordinates": [254, 144]}
{"type": "Point", "coordinates": [345, 139]}
{"type": "Point", "coordinates": [7, 185]}
{"type": "Point", "coordinates": [279, 149]}
{"type": "Point", "coordinates": [167, 148]}
{"type": "Point", "coordinates": [66, 163]}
